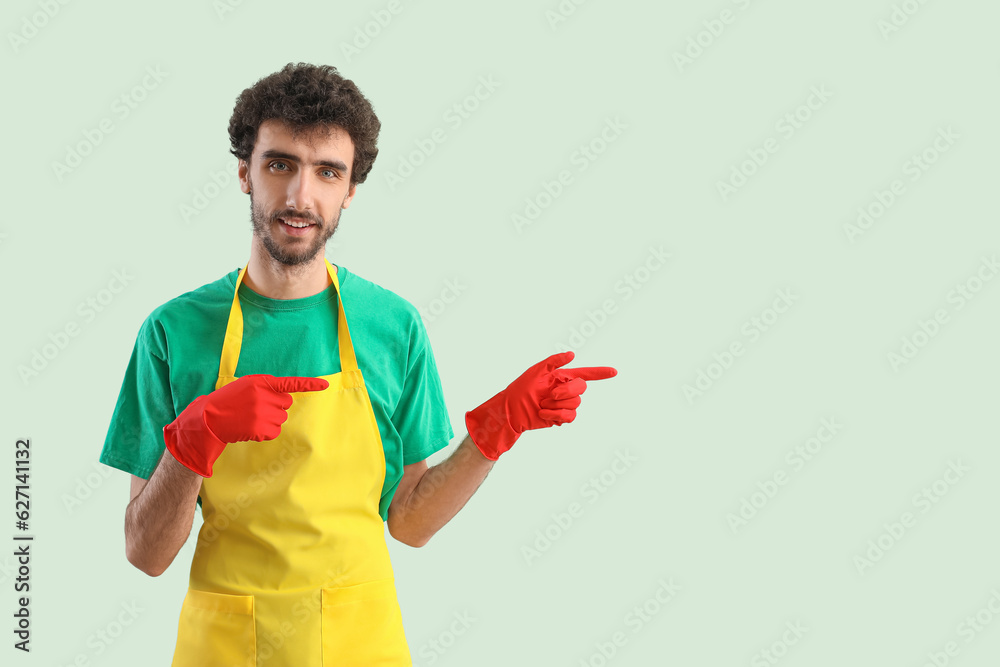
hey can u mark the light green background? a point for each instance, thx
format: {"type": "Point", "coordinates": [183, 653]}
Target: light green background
{"type": "Point", "coordinates": [655, 185]}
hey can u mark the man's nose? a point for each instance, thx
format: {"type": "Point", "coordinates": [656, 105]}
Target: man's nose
{"type": "Point", "coordinates": [301, 191]}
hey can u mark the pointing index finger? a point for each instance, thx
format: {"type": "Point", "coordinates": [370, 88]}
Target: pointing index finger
{"type": "Point", "coordinates": [588, 372]}
{"type": "Point", "coordinates": [291, 384]}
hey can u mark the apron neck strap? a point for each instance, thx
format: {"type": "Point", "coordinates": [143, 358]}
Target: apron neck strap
{"type": "Point", "coordinates": [234, 330]}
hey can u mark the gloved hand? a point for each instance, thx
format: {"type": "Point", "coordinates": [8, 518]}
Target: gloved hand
{"type": "Point", "coordinates": [252, 407]}
{"type": "Point", "coordinates": [541, 397]}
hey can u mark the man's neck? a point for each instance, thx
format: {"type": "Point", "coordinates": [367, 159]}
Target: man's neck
{"type": "Point", "coordinates": [270, 278]}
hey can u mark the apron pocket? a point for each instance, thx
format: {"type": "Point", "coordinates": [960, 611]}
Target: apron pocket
{"type": "Point", "coordinates": [363, 626]}
{"type": "Point", "coordinates": [216, 630]}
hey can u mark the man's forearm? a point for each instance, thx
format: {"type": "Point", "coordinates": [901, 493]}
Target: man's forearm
{"type": "Point", "coordinates": [158, 521]}
{"type": "Point", "coordinates": [442, 492]}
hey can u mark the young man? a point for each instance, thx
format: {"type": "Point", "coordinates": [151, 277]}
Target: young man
{"type": "Point", "coordinates": [246, 397]}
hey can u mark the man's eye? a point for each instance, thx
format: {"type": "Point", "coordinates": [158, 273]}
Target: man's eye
{"type": "Point", "coordinates": [331, 172]}
{"type": "Point", "coordinates": [275, 164]}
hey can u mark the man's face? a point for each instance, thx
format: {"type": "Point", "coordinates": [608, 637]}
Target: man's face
{"type": "Point", "coordinates": [303, 179]}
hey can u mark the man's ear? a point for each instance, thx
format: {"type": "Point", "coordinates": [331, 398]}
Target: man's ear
{"type": "Point", "coordinates": [243, 171]}
{"type": "Point", "coordinates": [350, 195]}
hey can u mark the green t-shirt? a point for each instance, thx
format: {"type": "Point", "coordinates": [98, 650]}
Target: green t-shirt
{"type": "Point", "coordinates": [177, 351]}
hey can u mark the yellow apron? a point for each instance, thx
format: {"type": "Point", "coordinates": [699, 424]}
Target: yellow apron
{"type": "Point", "coordinates": [291, 568]}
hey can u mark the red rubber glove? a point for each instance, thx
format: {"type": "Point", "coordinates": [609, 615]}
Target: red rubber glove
{"type": "Point", "coordinates": [541, 397]}
{"type": "Point", "coordinates": [252, 407]}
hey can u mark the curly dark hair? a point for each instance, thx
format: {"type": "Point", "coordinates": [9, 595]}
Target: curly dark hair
{"type": "Point", "coordinates": [307, 97]}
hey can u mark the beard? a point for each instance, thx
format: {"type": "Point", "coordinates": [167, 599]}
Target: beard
{"type": "Point", "coordinates": [294, 251]}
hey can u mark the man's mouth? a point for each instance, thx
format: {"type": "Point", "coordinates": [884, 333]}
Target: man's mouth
{"type": "Point", "coordinates": [296, 227]}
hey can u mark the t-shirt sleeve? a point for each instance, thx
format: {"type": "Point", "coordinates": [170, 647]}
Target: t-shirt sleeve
{"type": "Point", "coordinates": [134, 442]}
{"type": "Point", "coordinates": [421, 416]}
